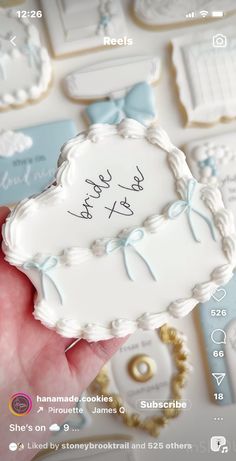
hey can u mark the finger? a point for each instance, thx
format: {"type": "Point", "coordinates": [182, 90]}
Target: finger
{"type": "Point", "coordinates": [16, 290]}
{"type": "Point", "coordinates": [86, 359]}
{"type": "Point", "coordinates": [4, 211]}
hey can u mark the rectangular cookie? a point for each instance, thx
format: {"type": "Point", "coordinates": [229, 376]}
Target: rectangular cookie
{"type": "Point", "coordinates": [121, 86]}
{"type": "Point", "coordinates": [111, 78]}
{"type": "Point", "coordinates": [213, 161]}
{"type": "Point", "coordinates": [79, 26]}
{"type": "Point", "coordinates": [157, 14]}
{"type": "Point", "coordinates": [28, 158]}
{"type": "Point", "coordinates": [206, 75]}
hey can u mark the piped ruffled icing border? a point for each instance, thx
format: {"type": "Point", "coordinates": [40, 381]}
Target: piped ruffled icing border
{"type": "Point", "coordinates": [211, 196]}
{"type": "Point", "coordinates": [209, 157]}
{"type": "Point", "coordinates": [22, 96]}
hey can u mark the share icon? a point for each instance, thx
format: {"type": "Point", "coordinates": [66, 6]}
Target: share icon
{"type": "Point", "coordinates": [218, 377]}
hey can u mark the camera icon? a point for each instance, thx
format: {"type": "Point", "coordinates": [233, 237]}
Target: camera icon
{"type": "Point", "coordinates": [219, 41]}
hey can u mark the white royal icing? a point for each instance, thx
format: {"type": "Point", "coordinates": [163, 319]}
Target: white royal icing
{"type": "Point", "coordinates": [12, 142]}
{"type": "Point", "coordinates": [29, 80]}
{"type": "Point", "coordinates": [170, 12]}
{"type": "Point", "coordinates": [81, 25]}
{"type": "Point", "coordinates": [210, 157]}
{"type": "Point", "coordinates": [112, 76]}
{"type": "Point", "coordinates": [205, 75]}
{"type": "Point", "coordinates": [107, 10]}
{"type": "Point", "coordinates": [213, 161]}
{"type": "Point", "coordinates": [82, 267]}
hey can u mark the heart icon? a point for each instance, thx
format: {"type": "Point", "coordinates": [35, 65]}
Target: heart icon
{"type": "Point", "coordinates": [220, 294]}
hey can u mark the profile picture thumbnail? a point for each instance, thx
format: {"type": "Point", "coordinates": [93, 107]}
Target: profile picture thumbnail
{"type": "Point", "coordinates": [20, 404]}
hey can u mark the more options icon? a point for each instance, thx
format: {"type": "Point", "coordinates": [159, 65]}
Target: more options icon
{"type": "Point", "coordinates": [219, 41]}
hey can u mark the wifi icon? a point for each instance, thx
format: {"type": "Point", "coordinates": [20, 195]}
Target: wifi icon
{"type": "Point", "coordinates": [203, 13]}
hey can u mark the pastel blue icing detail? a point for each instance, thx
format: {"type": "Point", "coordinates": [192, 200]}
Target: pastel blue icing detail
{"type": "Point", "coordinates": [185, 206]}
{"type": "Point", "coordinates": [131, 240]}
{"type": "Point", "coordinates": [210, 161]}
{"type": "Point", "coordinates": [208, 324]}
{"type": "Point", "coordinates": [44, 268]}
{"type": "Point", "coordinates": [138, 103]}
{"type": "Point", "coordinates": [31, 171]}
{"type": "Point", "coordinates": [104, 21]}
{"type": "Point", "coordinates": [33, 55]}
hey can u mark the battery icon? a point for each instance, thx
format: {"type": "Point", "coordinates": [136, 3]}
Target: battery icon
{"type": "Point", "coordinates": [217, 14]}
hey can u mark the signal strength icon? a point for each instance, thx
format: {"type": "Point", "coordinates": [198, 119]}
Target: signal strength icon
{"type": "Point", "coordinates": [203, 13]}
{"type": "Point", "coordinates": [190, 15]}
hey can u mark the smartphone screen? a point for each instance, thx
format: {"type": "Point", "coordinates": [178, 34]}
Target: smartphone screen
{"type": "Point", "coordinates": [117, 210]}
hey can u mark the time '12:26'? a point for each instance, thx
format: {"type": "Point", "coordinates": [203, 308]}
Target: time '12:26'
{"type": "Point", "coordinates": [29, 14]}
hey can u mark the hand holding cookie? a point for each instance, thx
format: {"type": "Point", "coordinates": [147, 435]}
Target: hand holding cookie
{"type": "Point", "coordinates": [33, 358]}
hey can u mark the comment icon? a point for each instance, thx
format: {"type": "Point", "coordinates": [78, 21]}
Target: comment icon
{"type": "Point", "coordinates": [218, 336]}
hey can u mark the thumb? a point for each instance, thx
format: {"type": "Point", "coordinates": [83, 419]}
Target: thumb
{"type": "Point", "coordinates": [86, 359]}
{"type": "Point", "coordinates": [4, 211]}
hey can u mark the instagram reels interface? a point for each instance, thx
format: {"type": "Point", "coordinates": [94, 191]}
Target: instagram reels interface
{"type": "Point", "coordinates": [118, 237]}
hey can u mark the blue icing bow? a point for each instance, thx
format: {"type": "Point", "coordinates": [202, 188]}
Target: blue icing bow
{"type": "Point", "coordinates": [104, 21]}
{"type": "Point", "coordinates": [138, 103]}
{"type": "Point", "coordinates": [135, 236]}
{"type": "Point", "coordinates": [44, 267]}
{"type": "Point", "coordinates": [182, 206]}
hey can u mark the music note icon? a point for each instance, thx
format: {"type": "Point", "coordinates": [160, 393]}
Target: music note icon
{"type": "Point", "coordinates": [218, 443]}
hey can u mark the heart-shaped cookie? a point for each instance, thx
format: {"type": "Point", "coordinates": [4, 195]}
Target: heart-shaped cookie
{"type": "Point", "coordinates": [125, 237]}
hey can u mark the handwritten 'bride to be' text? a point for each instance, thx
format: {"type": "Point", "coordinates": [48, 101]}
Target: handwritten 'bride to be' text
{"type": "Point", "coordinates": [97, 189]}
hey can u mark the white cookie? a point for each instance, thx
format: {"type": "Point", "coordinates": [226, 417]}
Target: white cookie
{"type": "Point", "coordinates": [206, 75]}
{"type": "Point", "coordinates": [110, 245]}
{"type": "Point", "coordinates": [213, 161]}
{"type": "Point", "coordinates": [77, 26]}
{"type": "Point", "coordinates": [25, 69]}
{"type": "Point", "coordinates": [146, 369]}
{"type": "Point", "coordinates": [170, 13]}
{"type": "Point", "coordinates": [112, 78]}
{"type": "Point", "coordinates": [123, 84]}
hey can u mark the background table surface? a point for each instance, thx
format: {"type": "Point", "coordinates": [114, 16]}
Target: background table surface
{"type": "Point", "coordinates": [197, 425]}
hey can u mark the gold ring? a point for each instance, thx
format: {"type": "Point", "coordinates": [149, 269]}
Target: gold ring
{"type": "Point", "coordinates": [141, 368]}
{"type": "Point", "coordinates": [154, 424]}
